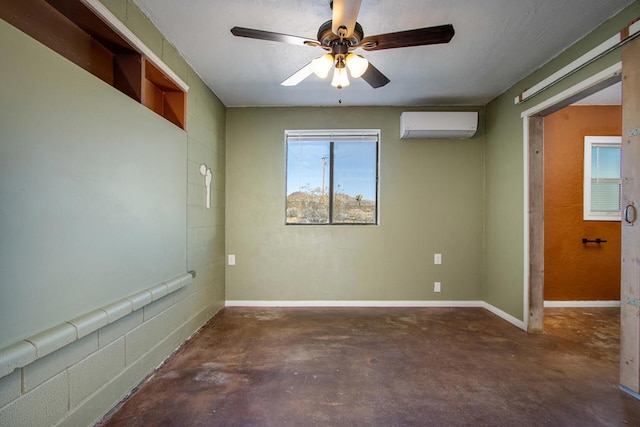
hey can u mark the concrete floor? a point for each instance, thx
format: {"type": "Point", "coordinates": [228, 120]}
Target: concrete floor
{"type": "Point", "coordinates": [388, 367]}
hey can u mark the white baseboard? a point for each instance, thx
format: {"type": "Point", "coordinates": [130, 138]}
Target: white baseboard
{"type": "Point", "coordinates": [348, 303]}
{"type": "Point", "coordinates": [578, 304]}
{"type": "Point", "coordinates": [504, 315]}
{"type": "Point", "coordinates": [351, 303]}
{"type": "Point", "coordinates": [630, 392]}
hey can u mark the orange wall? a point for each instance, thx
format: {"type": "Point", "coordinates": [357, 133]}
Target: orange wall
{"type": "Point", "coordinates": [573, 271]}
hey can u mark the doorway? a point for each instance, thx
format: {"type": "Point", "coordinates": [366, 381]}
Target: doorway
{"type": "Point", "coordinates": [582, 246]}
{"type": "Point", "coordinates": [628, 70]}
{"type": "Point", "coordinates": [533, 123]}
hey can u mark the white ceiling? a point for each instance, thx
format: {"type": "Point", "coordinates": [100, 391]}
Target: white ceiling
{"type": "Point", "coordinates": [497, 43]}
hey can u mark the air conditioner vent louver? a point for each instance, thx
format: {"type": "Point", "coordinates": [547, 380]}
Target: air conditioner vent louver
{"type": "Point", "coordinates": [438, 124]}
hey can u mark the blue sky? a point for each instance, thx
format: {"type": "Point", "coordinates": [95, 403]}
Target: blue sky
{"type": "Point", "coordinates": [354, 169]}
{"type": "Point", "coordinates": [605, 162]}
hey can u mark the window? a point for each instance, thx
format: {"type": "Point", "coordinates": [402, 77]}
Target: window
{"type": "Point", "coordinates": [602, 180]}
{"type": "Point", "coordinates": [332, 177]}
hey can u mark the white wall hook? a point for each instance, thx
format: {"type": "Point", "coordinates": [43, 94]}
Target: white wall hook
{"type": "Point", "coordinates": [206, 172]}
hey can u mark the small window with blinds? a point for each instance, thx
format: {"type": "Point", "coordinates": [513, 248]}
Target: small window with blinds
{"type": "Point", "coordinates": [602, 178]}
{"type": "Point", "coordinates": [332, 177]}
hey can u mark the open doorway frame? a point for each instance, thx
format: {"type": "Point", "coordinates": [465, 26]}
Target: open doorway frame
{"type": "Point", "coordinates": [533, 158]}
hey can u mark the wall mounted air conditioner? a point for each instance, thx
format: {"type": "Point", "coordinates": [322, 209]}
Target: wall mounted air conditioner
{"type": "Point", "coordinates": [438, 124]}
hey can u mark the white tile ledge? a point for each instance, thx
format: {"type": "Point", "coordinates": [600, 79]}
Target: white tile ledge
{"type": "Point", "coordinates": [16, 355]}
{"type": "Point", "coordinates": [48, 341]}
{"type": "Point", "coordinates": [30, 349]}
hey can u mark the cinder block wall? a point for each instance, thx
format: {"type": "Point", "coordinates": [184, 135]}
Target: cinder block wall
{"type": "Point", "coordinates": [81, 381]}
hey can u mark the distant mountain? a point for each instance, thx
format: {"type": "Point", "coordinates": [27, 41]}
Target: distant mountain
{"type": "Point", "coordinates": [313, 208]}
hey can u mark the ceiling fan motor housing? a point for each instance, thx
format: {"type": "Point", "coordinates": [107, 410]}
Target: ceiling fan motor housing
{"type": "Point", "coordinates": [327, 37]}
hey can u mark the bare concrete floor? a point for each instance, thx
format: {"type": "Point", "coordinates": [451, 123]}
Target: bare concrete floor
{"type": "Point", "coordinates": [388, 367]}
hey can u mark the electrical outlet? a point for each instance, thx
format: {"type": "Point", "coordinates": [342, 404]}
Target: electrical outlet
{"type": "Point", "coordinates": [437, 258]}
{"type": "Point", "coordinates": [232, 259]}
{"type": "Point", "coordinates": [436, 286]}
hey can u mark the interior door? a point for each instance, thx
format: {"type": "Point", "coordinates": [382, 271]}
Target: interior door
{"type": "Point", "coordinates": [630, 274]}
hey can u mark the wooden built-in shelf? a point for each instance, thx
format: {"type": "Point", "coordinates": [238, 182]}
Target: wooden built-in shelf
{"type": "Point", "coordinates": [87, 34]}
{"type": "Point", "coordinates": [163, 96]}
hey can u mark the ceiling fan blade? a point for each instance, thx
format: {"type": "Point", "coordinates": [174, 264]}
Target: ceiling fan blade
{"type": "Point", "coordinates": [374, 77]}
{"type": "Point", "coordinates": [298, 76]}
{"type": "Point", "coordinates": [274, 37]}
{"type": "Point", "coordinates": [345, 13]}
{"type": "Point", "coordinates": [417, 37]}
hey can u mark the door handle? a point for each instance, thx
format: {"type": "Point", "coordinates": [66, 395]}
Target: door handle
{"type": "Point", "coordinates": [630, 214]}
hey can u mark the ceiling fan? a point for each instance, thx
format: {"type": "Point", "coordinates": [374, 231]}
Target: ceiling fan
{"type": "Point", "coordinates": [340, 37]}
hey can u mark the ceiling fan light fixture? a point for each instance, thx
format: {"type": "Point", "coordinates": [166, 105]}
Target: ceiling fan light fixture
{"type": "Point", "coordinates": [322, 65]}
{"type": "Point", "coordinates": [356, 64]}
{"type": "Point", "coordinates": [340, 78]}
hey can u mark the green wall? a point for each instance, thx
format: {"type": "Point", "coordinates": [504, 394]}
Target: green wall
{"type": "Point", "coordinates": [99, 198]}
{"type": "Point", "coordinates": [92, 197]}
{"type": "Point", "coordinates": [431, 201]}
{"type": "Point", "coordinates": [504, 256]}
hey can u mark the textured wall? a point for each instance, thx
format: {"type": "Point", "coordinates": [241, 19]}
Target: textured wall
{"type": "Point", "coordinates": [573, 271]}
{"type": "Point", "coordinates": [78, 383]}
{"type": "Point", "coordinates": [89, 197]}
{"type": "Point", "coordinates": [431, 195]}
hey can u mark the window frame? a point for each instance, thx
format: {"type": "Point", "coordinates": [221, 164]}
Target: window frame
{"type": "Point", "coordinates": [331, 134]}
{"type": "Point", "coordinates": [589, 143]}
